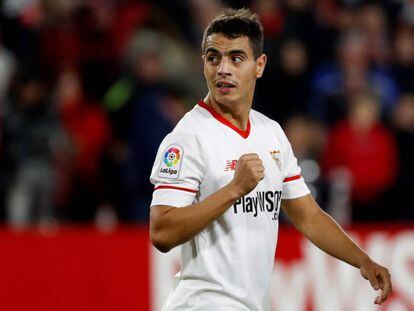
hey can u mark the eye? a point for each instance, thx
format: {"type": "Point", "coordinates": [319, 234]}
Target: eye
{"type": "Point", "coordinates": [212, 59]}
{"type": "Point", "coordinates": [236, 59]}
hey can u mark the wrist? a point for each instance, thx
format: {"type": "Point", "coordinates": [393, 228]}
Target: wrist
{"type": "Point", "coordinates": [364, 261]}
{"type": "Point", "coordinates": [234, 192]}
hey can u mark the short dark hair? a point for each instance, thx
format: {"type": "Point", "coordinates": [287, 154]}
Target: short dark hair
{"type": "Point", "coordinates": [237, 23]}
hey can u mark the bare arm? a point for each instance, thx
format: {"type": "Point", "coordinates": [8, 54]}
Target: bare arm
{"type": "Point", "coordinates": [171, 226]}
{"type": "Point", "coordinates": [326, 234]}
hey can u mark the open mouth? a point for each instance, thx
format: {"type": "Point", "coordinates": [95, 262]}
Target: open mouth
{"type": "Point", "coordinates": [225, 86]}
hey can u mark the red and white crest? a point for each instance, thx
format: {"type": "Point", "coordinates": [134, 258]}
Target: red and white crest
{"type": "Point", "coordinates": [276, 157]}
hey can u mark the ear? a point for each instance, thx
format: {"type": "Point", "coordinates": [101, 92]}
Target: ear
{"type": "Point", "coordinates": [260, 65]}
{"type": "Point", "coordinates": [203, 57]}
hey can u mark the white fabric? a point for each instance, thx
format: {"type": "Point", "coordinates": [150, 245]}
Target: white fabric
{"type": "Point", "coordinates": [228, 265]}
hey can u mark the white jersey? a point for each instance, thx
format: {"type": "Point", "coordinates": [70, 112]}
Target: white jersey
{"type": "Point", "coordinates": [228, 265]}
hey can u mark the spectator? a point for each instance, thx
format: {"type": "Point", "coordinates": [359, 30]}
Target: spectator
{"type": "Point", "coordinates": [271, 15]}
{"type": "Point", "coordinates": [403, 67]}
{"type": "Point", "coordinates": [307, 138]}
{"type": "Point", "coordinates": [332, 86]}
{"type": "Point", "coordinates": [89, 132]}
{"type": "Point", "coordinates": [373, 24]}
{"type": "Point", "coordinates": [363, 146]}
{"type": "Point", "coordinates": [76, 38]}
{"type": "Point", "coordinates": [407, 13]}
{"type": "Point", "coordinates": [32, 136]}
{"type": "Point", "coordinates": [143, 109]}
{"type": "Point", "coordinates": [302, 21]}
{"type": "Point", "coordinates": [284, 90]}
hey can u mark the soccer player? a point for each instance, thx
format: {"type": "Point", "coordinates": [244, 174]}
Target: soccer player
{"type": "Point", "coordinates": [222, 176]}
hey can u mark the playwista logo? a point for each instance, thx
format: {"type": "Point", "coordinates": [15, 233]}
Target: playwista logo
{"type": "Point", "coordinates": [276, 157]}
{"type": "Point", "coordinates": [171, 161]}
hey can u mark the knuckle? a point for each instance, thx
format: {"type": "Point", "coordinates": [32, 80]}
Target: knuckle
{"type": "Point", "coordinates": [250, 155]}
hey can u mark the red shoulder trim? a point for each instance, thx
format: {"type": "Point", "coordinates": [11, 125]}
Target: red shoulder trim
{"type": "Point", "coordinates": [176, 188]}
{"type": "Point", "coordinates": [292, 178]}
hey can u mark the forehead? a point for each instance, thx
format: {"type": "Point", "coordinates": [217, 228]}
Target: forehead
{"type": "Point", "coordinates": [223, 44]}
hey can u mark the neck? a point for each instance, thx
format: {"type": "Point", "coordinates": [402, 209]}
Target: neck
{"type": "Point", "coordinates": [236, 113]}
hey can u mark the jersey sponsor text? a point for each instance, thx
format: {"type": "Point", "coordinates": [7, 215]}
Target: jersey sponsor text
{"type": "Point", "coordinates": [263, 201]}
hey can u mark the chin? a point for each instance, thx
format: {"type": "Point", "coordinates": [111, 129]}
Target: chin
{"type": "Point", "coordinates": [225, 99]}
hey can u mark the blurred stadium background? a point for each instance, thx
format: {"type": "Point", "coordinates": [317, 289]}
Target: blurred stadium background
{"type": "Point", "coordinates": [88, 88]}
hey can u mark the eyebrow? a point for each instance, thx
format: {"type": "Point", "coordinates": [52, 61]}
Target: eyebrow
{"type": "Point", "coordinates": [213, 50]}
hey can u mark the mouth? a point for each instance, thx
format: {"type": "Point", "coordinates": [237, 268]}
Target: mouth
{"type": "Point", "coordinates": [225, 86]}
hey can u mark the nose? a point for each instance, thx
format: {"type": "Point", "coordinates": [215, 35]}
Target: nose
{"type": "Point", "coordinates": [224, 67]}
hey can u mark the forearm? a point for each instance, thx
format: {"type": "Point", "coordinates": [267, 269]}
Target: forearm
{"type": "Point", "coordinates": [323, 231]}
{"type": "Point", "coordinates": [171, 226]}
{"type": "Point", "coordinates": [178, 225]}
{"type": "Point", "coordinates": [327, 235]}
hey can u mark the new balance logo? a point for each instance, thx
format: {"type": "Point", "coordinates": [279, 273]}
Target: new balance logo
{"type": "Point", "coordinates": [230, 165]}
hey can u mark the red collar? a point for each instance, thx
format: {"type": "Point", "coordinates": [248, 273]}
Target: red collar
{"type": "Point", "coordinates": [226, 122]}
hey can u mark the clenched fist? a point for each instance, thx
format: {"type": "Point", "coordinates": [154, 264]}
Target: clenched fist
{"type": "Point", "coordinates": [249, 171]}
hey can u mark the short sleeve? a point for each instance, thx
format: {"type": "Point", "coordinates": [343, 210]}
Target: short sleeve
{"type": "Point", "coordinates": [177, 171]}
{"type": "Point", "coordinates": [294, 185]}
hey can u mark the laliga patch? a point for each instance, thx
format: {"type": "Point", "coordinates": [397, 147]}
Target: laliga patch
{"type": "Point", "coordinates": [171, 162]}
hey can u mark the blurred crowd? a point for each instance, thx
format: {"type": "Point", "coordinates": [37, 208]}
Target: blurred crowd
{"type": "Point", "coordinates": [88, 89]}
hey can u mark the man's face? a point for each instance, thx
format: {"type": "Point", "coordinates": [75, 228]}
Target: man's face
{"type": "Point", "coordinates": [231, 69]}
